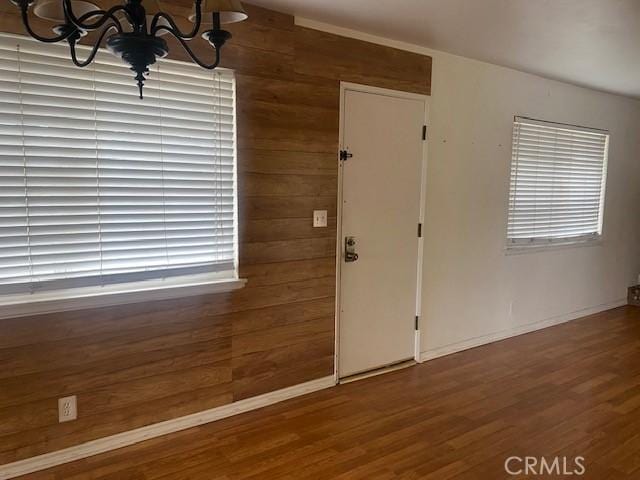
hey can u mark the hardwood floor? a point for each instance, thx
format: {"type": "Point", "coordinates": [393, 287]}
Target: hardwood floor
{"type": "Point", "coordinates": [571, 390]}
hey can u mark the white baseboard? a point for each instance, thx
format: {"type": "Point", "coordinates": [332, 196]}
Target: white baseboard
{"type": "Point", "coordinates": [514, 332]}
{"type": "Point", "coordinates": [124, 439]}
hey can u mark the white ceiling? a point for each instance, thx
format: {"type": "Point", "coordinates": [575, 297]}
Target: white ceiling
{"type": "Point", "coordinates": [595, 43]}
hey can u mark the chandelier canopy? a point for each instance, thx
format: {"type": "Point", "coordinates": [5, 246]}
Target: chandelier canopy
{"type": "Point", "coordinates": [132, 30]}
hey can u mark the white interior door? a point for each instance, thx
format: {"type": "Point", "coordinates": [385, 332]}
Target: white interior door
{"type": "Point", "coordinates": [380, 209]}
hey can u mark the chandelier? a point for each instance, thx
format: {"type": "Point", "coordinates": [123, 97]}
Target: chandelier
{"type": "Point", "coordinates": [132, 31]}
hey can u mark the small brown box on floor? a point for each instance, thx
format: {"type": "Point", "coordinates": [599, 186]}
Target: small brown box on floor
{"type": "Point", "coordinates": [634, 295]}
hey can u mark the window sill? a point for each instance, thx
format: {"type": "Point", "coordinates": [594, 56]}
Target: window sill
{"type": "Point", "coordinates": [523, 249]}
{"type": "Point", "coordinates": [39, 303]}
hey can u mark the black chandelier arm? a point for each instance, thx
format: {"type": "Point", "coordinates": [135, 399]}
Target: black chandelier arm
{"type": "Point", "coordinates": [94, 50]}
{"type": "Point", "coordinates": [27, 26]}
{"type": "Point", "coordinates": [193, 55]}
{"type": "Point", "coordinates": [106, 16]}
{"type": "Point", "coordinates": [173, 27]}
{"type": "Point", "coordinates": [176, 32]}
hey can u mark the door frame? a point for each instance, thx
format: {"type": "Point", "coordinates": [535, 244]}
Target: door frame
{"type": "Point", "coordinates": [355, 87]}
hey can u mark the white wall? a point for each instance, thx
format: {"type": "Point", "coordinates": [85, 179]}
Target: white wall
{"type": "Point", "coordinates": [473, 292]}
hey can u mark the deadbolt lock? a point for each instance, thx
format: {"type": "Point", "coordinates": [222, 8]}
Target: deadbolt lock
{"type": "Point", "coordinates": [350, 254]}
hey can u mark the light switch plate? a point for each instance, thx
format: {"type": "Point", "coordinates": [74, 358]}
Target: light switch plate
{"type": "Point", "coordinates": [319, 218]}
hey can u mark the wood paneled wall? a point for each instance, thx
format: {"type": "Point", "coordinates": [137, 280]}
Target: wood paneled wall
{"type": "Point", "coordinates": [139, 364]}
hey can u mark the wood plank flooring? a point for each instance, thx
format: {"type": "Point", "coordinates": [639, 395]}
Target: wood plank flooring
{"type": "Point", "coordinates": [571, 390]}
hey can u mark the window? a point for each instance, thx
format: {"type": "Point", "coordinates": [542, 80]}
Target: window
{"type": "Point", "coordinates": [558, 176]}
{"type": "Point", "coordinates": [99, 188]}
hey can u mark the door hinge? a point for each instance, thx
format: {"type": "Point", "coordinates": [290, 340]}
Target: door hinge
{"type": "Point", "coordinates": [424, 132]}
{"type": "Point", "coordinates": [417, 320]}
{"type": "Point", "coordinates": [419, 230]}
{"type": "Point", "coordinates": [345, 155]}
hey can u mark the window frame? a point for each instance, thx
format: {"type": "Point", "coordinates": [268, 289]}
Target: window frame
{"type": "Point", "coordinates": [135, 290]}
{"type": "Point", "coordinates": [537, 244]}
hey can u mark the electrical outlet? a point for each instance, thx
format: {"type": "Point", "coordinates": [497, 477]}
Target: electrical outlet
{"type": "Point", "coordinates": [319, 218]}
{"type": "Point", "coordinates": [67, 409]}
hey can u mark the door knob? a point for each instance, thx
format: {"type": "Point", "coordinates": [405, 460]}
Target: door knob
{"type": "Point", "coordinates": [350, 254]}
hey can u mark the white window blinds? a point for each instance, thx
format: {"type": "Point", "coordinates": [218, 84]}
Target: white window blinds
{"type": "Point", "coordinates": [558, 176]}
{"type": "Point", "coordinates": [98, 186]}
